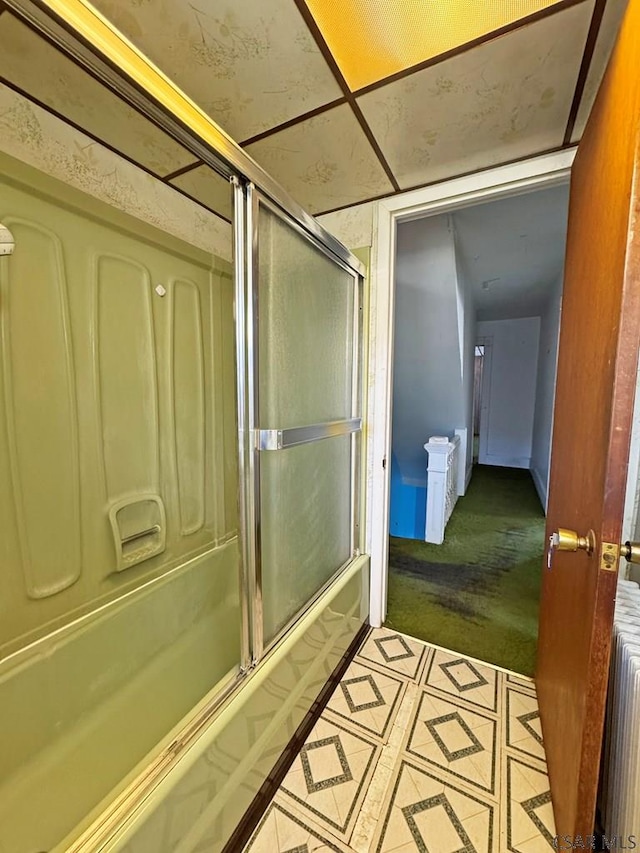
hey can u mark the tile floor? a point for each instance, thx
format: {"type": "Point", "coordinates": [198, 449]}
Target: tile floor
{"type": "Point", "coordinates": [419, 749]}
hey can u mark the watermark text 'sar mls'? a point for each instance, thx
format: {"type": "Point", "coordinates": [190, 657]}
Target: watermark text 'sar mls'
{"type": "Point", "coordinates": [595, 842]}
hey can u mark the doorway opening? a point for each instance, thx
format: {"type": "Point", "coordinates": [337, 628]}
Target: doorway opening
{"type": "Point", "coordinates": [477, 296]}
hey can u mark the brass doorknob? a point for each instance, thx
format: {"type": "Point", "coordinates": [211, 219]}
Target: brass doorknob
{"type": "Point", "coordinates": [631, 552]}
{"type": "Point", "coordinates": [569, 540]}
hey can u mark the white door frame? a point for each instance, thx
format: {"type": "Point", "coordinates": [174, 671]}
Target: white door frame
{"type": "Point", "coordinates": [485, 396]}
{"type": "Point", "coordinates": [501, 182]}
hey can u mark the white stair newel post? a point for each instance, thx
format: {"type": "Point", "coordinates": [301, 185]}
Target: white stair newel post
{"type": "Point", "coordinates": [442, 485]}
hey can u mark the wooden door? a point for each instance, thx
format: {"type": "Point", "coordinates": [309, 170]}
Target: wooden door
{"type": "Point", "coordinates": [594, 401]}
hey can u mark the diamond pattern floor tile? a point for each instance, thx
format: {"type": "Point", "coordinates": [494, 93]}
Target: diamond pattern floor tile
{"type": "Point", "coordinates": [329, 776]}
{"type": "Point", "coordinates": [527, 810]}
{"type": "Point", "coordinates": [523, 728]}
{"type": "Point", "coordinates": [282, 831]}
{"type": "Point", "coordinates": [367, 699]}
{"type": "Point", "coordinates": [465, 679]}
{"type": "Point", "coordinates": [419, 749]}
{"type": "Point", "coordinates": [401, 655]}
{"type": "Point", "coordinates": [426, 813]}
{"type": "Point", "coordinates": [453, 738]}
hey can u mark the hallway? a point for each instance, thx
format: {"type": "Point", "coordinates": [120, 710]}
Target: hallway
{"type": "Point", "coordinates": [477, 593]}
{"type": "Point", "coordinates": [417, 749]}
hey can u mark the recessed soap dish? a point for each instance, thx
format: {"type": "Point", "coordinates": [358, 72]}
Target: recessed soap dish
{"type": "Point", "coordinates": [139, 529]}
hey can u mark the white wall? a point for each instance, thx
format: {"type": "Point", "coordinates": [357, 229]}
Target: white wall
{"type": "Point", "coordinates": [468, 362]}
{"type": "Point", "coordinates": [545, 391]}
{"type": "Point", "coordinates": [431, 355]}
{"type": "Point", "coordinates": [509, 391]}
{"type": "Point", "coordinates": [353, 225]}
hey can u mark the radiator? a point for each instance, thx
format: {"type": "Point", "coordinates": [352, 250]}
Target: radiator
{"type": "Point", "coordinates": [621, 760]}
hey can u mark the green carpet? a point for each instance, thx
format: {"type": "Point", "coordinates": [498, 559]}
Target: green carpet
{"type": "Point", "coordinates": [478, 592]}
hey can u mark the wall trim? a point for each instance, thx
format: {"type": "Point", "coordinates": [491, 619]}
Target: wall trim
{"type": "Point", "coordinates": [501, 461]}
{"type": "Point", "coordinates": [540, 487]}
{"type": "Point", "coordinates": [468, 477]}
{"type": "Point", "coordinates": [501, 182]}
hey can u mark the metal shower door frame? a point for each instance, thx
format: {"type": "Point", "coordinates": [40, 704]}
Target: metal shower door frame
{"type": "Point", "coordinates": [96, 46]}
{"type": "Point", "coordinates": [254, 440]}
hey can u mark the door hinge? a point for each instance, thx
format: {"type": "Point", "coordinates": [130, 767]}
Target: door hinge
{"type": "Point", "coordinates": [384, 463]}
{"type": "Point", "coordinates": [609, 555]}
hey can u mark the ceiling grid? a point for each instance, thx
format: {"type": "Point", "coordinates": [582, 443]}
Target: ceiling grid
{"type": "Point", "coordinates": [592, 38]}
{"type": "Point", "coordinates": [264, 70]}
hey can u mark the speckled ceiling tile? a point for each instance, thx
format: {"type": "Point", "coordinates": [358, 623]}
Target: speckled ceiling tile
{"type": "Point", "coordinates": [39, 138]}
{"type": "Point", "coordinates": [46, 74]}
{"type": "Point", "coordinates": [209, 187]}
{"type": "Point", "coordinates": [611, 20]}
{"type": "Point", "coordinates": [502, 100]}
{"type": "Point", "coordinates": [324, 162]}
{"type": "Point", "coordinates": [249, 65]}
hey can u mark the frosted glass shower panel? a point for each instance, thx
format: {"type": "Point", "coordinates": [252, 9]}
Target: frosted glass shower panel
{"type": "Point", "coordinates": [306, 525]}
{"type": "Point", "coordinates": [305, 329]}
{"type": "Point", "coordinates": [306, 304]}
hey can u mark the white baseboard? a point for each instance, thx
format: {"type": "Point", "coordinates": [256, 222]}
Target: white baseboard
{"type": "Point", "coordinates": [540, 487]}
{"type": "Point", "coordinates": [504, 461]}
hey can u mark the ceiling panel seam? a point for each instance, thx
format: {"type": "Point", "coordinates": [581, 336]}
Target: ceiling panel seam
{"type": "Point", "coordinates": [165, 180]}
{"type": "Point", "coordinates": [585, 65]}
{"type": "Point", "coordinates": [323, 47]}
{"type": "Point", "coordinates": [555, 150]}
{"type": "Point", "coordinates": [292, 122]}
{"type": "Point", "coordinates": [540, 15]}
{"type": "Point", "coordinates": [350, 97]}
{"type": "Point", "coordinates": [183, 170]}
{"type": "Point", "coordinates": [374, 144]}
{"type": "Point", "coordinates": [43, 35]}
{"type": "Point", "coordinates": [52, 111]}
{"type": "Point", "coordinates": [314, 29]}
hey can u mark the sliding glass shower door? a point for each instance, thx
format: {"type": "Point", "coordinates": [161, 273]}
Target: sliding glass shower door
{"type": "Point", "coordinates": [303, 417]}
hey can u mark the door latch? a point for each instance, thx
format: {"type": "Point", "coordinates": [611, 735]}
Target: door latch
{"type": "Point", "coordinates": [568, 540]}
{"type": "Point", "coordinates": [631, 552]}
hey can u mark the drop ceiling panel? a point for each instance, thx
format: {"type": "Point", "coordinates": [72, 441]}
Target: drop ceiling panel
{"type": "Point", "coordinates": [611, 20]}
{"type": "Point", "coordinates": [502, 100]}
{"type": "Point", "coordinates": [208, 187]}
{"type": "Point", "coordinates": [41, 71]}
{"type": "Point", "coordinates": [324, 162]}
{"type": "Point", "coordinates": [250, 65]}
{"type": "Point", "coordinates": [373, 39]}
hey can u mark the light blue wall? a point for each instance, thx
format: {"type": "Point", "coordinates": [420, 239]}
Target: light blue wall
{"type": "Point", "coordinates": [433, 361]}
{"type": "Point", "coordinates": [408, 506]}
